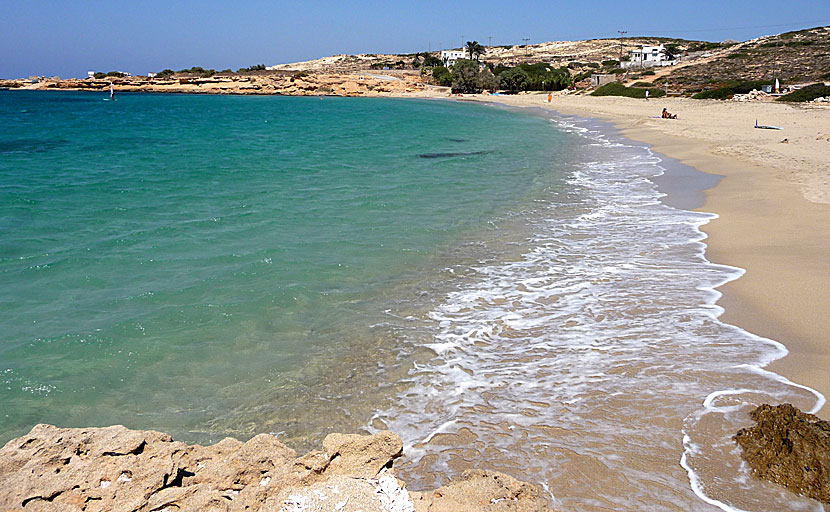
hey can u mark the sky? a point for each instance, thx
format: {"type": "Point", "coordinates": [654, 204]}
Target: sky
{"type": "Point", "coordinates": [69, 37]}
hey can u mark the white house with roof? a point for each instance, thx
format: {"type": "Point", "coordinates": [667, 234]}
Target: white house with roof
{"type": "Point", "coordinates": [450, 56]}
{"type": "Point", "coordinates": [648, 56]}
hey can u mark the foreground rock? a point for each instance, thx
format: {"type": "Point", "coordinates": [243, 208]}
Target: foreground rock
{"type": "Point", "coordinates": [790, 448]}
{"type": "Point", "coordinates": [117, 469]}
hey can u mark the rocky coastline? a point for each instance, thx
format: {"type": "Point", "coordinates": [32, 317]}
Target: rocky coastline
{"type": "Point", "coordinates": [286, 83]}
{"type": "Point", "coordinates": [118, 469]}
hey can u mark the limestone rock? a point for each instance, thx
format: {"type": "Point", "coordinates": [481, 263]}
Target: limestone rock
{"type": "Point", "coordinates": [484, 491]}
{"type": "Point", "coordinates": [362, 455]}
{"type": "Point", "coordinates": [790, 448]}
{"type": "Point", "coordinates": [117, 469]}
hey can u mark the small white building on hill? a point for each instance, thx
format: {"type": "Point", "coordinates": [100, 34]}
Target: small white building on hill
{"type": "Point", "coordinates": [450, 56]}
{"type": "Point", "coordinates": [648, 56]}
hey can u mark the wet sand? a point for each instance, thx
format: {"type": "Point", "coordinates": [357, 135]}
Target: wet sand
{"type": "Point", "coordinates": [773, 205]}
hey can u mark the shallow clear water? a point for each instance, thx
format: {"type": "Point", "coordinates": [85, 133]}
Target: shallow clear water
{"type": "Point", "coordinates": [504, 290]}
{"type": "Point", "coordinates": [203, 265]}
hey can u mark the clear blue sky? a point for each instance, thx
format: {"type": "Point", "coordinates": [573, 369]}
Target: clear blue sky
{"type": "Point", "coordinates": [69, 37]}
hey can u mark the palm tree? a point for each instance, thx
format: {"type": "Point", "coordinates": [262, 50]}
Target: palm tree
{"type": "Point", "coordinates": [475, 50]}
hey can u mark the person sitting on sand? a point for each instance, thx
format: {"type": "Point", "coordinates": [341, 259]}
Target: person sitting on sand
{"type": "Point", "coordinates": [667, 115]}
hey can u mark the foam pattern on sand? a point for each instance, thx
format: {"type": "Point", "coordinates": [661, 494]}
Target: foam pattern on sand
{"type": "Point", "coordinates": [595, 364]}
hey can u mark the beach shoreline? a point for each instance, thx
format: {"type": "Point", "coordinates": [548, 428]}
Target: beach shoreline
{"type": "Point", "coordinates": [773, 207]}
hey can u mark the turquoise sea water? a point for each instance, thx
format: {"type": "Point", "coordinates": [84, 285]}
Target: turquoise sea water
{"type": "Point", "coordinates": [208, 265]}
{"type": "Point", "coordinates": [504, 290]}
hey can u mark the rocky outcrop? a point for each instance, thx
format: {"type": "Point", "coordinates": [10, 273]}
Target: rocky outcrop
{"type": "Point", "coordinates": [117, 469]}
{"type": "Point", "coordinates": [790, 448]}
{"type": "Point", "coordinates": [276, 82]}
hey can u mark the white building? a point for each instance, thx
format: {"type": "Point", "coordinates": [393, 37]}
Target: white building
{"type": "Point", "coordinates": [648, 56]}
{"type": "Point", "coordinates": [90, 74]}
{"type": "Point", "coordinates": [151, 75]}
{"type": "Point", "coordinates": [450, 56]}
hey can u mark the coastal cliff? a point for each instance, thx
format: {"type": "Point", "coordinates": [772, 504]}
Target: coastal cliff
{"type": "Point", "coordinates": [118, 469]}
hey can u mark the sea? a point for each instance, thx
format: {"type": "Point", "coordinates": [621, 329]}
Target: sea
{"type": "Point", "coordinates": [505, 289]}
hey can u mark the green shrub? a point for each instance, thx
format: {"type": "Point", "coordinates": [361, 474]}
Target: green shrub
{"type": "Point", "coordinates": [465, 76]}
{"type": "Point", "coordinates": [738, 55]}
{"type": "Point", "coordinates": [618, 89]}
{"type": "Point", "coordinates": [617, 71]}
{"type": "Point", "coordinates": [257, 67]}
{"type": "Point", "coordinates": [808, 93]}
{"type": "Point", "coordinates": [167, 73]}
{"type": "Point", "coordinates": [514, 80]}
{"type": "Point", "coordinates": [594, 65]}
{"type": "Point", "coordinates": [583, 76]}
{"type": "Point", "coordinates": [442, 76]}
{"type": "Point", "coordinates": [111, 74]}
{"type": "Point", "coordinates": [731, 89]}
{"type": "Point", "coordinates": [705, 46]}
{"type": "Point", "coordinates": [648, 72]}
{"type": "Point", "coordinates": [610, 63]}
{"type": "Point", "coordinates": [642, 84]}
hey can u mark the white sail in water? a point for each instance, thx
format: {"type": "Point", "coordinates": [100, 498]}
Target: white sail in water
{"type": "Point", "coordinates": [112, 92]}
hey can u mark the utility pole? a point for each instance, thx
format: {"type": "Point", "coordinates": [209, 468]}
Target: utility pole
{"type": "Point", "coordinates": [490, 41]}
{"type": "Point", "coordinates": [527, 50]}
{"type": "Point", "coordinates": [622, 34]}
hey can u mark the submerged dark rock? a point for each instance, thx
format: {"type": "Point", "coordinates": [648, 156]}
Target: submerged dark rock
{"type": "Point", "coordinates": [449, 155]}
{"type": "Point", "coordinates": [790, 448]}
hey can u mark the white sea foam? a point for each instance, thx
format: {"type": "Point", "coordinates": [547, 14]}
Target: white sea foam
{"type": "Point", "coordinates": [598, 354]}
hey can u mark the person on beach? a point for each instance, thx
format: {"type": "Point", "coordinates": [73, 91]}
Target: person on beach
{"type": "Point", "coordinates": [667, 115]}
{"type": "Point", "coordinates": [550, 96]}
{"type": "Point", "coordinates": [647, 96]}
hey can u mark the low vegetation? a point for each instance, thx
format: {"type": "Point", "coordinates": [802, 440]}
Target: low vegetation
{"type": "Point", "coordinates": [111, 74]}
{"type": "Point", "coordinates": [808, 93]}
{"type": "Point", "coordinates": [730, 89]}
{"type": "Point", "coordinates": [618, 89]}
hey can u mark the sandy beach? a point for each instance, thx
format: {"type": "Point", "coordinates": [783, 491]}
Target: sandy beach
{"type": "Point", "coordinates": [773, 205]}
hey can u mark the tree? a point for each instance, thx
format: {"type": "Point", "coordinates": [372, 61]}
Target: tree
{"type": "Point", "coordinates": [475, 50]}
{"type": "Point", "coordinates": [513, 80]}
{"type": "Point", "coordinates": [487, 80]}
{"type": "Point", "coordinates": [442, 76]}
{"type": "Point", "coordinates": [671, 51]}
{"type": "Point", "coordinates": [465, 75]}
{"type": "Point", "coordinates": [431, 61]}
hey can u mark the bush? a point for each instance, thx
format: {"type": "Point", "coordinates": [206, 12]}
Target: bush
{"type": "Point", "coordinates": [610, 63]}
{"type": "Point", "coordinates": [617, 71]}
{"type": "Point", "coordinates": [465, 76]}
{"type": "Point", "coordinates": [731, 89]}
{"type": "Point", "coordinates": [594, 65]}
{"type": "Point", "coordinates": [543, 77]}
{"type": "Point", "coordinates": [642, 84]}
{"type": "Point", "coordinates": [808, 93]}
{"type": "Point", "coordinates": [256, 67]}
{"type": "Point", "coordinates": [513, 80]}
{"type": "Point", "coordinates": [738, 55]}
{"type": "Point", "coordinates": [583, 76]}
{"type": "Point", "coordinates": [431, 61]}
{"type": "Point", "coordinates": [618, 89]}
{"type": "Point", "coordinates": [648, 72]}
{"type": "Point", "coordinates": [487, 80]}
{"type": "Point", "coordinates": [167, 73]}
{"type": "Point", "coordinates": [112, 74]}
{"type": "Point", "coordinates": [442, 76]}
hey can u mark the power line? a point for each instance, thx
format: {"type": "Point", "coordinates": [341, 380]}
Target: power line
{"type": "Point", "coordinates": [622, 34]}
